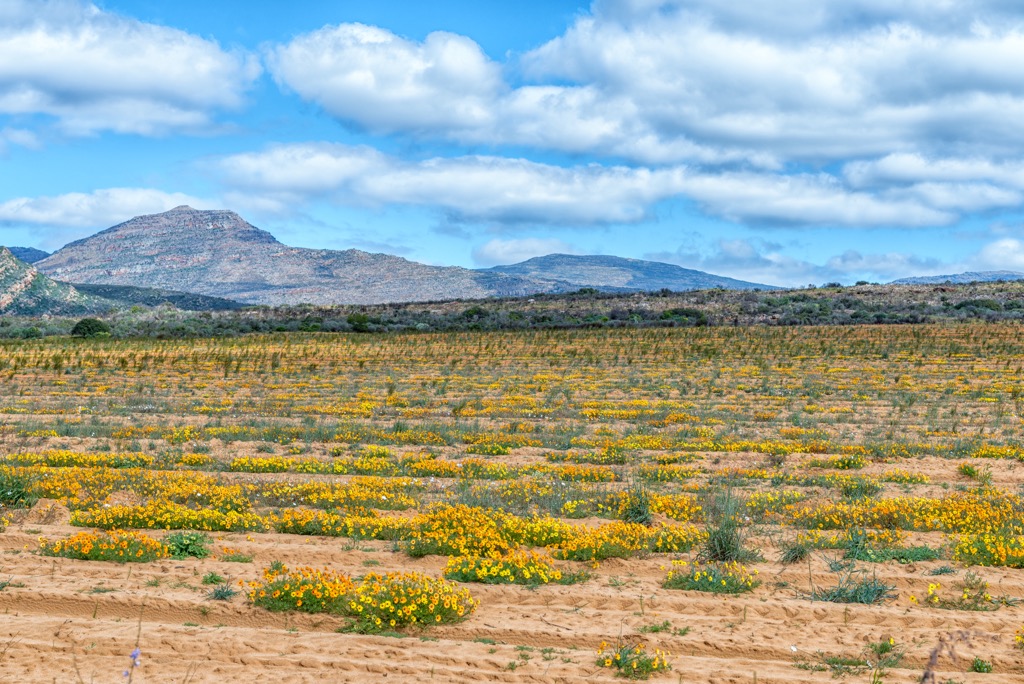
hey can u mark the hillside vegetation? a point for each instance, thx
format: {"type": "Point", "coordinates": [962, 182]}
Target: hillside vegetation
{"type": "Point", "coordinates": [862, 304]}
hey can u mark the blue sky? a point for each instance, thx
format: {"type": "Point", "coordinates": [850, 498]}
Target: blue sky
{"type": "Point", "coordinates": [781, 142]}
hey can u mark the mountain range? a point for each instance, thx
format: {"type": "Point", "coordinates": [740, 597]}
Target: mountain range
{"type": "Point", "coordinates": [215, 260]}
{"type": "Point", "coordinates": [959, 278]}
{"type": "Point", "coordinates": [219, 254]}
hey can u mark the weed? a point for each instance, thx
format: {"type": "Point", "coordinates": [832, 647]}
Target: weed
{"type": "Point", "coordinates": [979, 665]}
{"type": "Point", "coordinates": [850, 589]}
{"type": "Point", "coordinates": [188, 544]}
{"type": "Point", "coordinates": [213, 578]}
{"type": "Point", "coordinates": [222, 592]}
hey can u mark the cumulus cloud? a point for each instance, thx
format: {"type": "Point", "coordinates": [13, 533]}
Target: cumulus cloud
{"type": "Point", "coordinates": [385, 83]}
{"type": "Point", "coordinates": [1005, 254]}
{"type": "Point", "coordinates": [94, 71]}
{"type": "Point", "coordinates": [476, 188]}
{"type": "Point", "coordinates": [498, 252]}
{"type": "Point", "coordinates": [706, 81]}
{"type": "Point", "coordinates": [98, 209]}
{"type": "Point", "coordinates": [519, 191]}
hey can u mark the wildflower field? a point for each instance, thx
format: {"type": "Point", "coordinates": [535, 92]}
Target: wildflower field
{"type": "Point", "coordinates": [722, 504]}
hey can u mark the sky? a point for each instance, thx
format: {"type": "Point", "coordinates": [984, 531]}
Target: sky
{"type": "Point", "coordinates": [787, 143]}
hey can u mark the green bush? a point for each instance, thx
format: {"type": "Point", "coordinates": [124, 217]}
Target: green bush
{"type": "Point", "coordinates": [90, 327]}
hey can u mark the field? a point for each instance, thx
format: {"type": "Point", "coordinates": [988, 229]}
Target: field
{"type": "Point", "coordinates": [685, 504]}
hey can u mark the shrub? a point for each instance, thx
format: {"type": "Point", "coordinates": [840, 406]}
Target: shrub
{"type": "Point", "coordinates": [90, 327]}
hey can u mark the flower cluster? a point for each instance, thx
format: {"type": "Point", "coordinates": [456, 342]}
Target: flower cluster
{"type": "Point", "coordinates": [632, 661]}
{"type": "Point", "coordinates": [717, 578]}
{"type": "Point", "coordinates": [116, 545]}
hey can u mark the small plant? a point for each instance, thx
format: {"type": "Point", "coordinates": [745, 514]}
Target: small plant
{"type": "Point", "coordinates": [632, 660]}
{"type": "Point", "coordinates": [849, 589]}
{"type": "Point", "coordinates": [236, 557]}
{"type": "Point", "coordinates": [795, 552]}
{"type": "Point", "coordinates": [222, 592]}
{"type": "Point", "coordinates": [666, 627]}
{"type": "Point", "coordinates": [14, 490]}
{"type": "Point", "coordinates": [972, 472]}
{"type": "Point", "coordinates": [717, 578]}
{"type": "Point", "coordinates": [213, 578]}
{"type": "Point", "coordinates": [655, 629]}
{"type": "Point", "coordinates": [979, 665]}
{"type": "Point", "coordinates": [724, 542]}
{"type": "Point", "coordinates": [188, 544]}
{"type": "Point", "coordinates": [973, 595]}
{"type": "Point", "coordinates": [637, 507]}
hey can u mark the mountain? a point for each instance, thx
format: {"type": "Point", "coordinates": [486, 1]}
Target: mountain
{"type": "Point", "coordinates": [29, 255]}
{"type": "Point", "coordinates": [619, 274]}
{"type": "Point", "coordinates": [960, 278]}
{"type": "Point", "coordinates": [24, 291]}
{"type": "Point", "coordinates": [217, 253]}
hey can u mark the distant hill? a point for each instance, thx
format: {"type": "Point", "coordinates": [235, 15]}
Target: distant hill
{"type": "Point", "coordinates": [29, 255]}
{"type": "Point", "coordinates": [217, 253]}
{"type": "Point", "coordinates": [613, 273]}
{"type": "Point", "coordinates": [24, 291]}
{"type": "Point", "coordinates": [961, 278]}
{"type": "Point", "coordinates": [148, 296]}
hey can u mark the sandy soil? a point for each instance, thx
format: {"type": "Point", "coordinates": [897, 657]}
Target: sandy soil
{"type": "Point", "coordinates": [72, 621]}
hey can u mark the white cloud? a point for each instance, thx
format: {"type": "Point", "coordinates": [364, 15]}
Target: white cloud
{"type": "Point", "coordinates": [905, 168]}
{"type": "Point", "coordinates": [95, 71]}
{"type": "Point", "coordinates": [499, 252]}
{"type": "Point", "coordinates": [805, 199]}
{"type": "Point", "coordinates": [386, 83]}
{"type": "Point", "coordinates": [519, 191]}
{"type": "Point", "coordinates": [1005, 254]}
{"type": "Point", "coordinates": [475, 188]}
{"type": "Point", "coordinates": [17, 136]}
{"type": "Point", "coordinates": [98, 209]}
{"type": "Point", "coordinates": [706, 81]}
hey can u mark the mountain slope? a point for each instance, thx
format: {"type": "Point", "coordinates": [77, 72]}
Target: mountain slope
{"type": "Point", "coordinates": [126, 295]}
{"type": "Point", "coordinates": [219, 254]}
{"type": "Point", "coordinates": [960, 278]}
{"type": "Point", "coordinates": [24, 291]}
{"type": "Point", "coordinates": [617, 273]}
